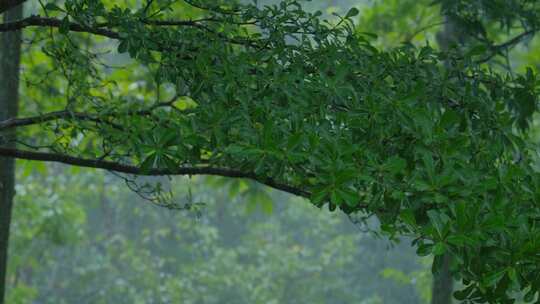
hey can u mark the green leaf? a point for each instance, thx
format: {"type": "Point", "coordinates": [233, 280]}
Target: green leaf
{"type": "Point", "coordinates": [294, 141]}
{"type": "Point", "coordinates": [460, 240]}
{"type": "Point", "coordinates": [148, 163]}
{"type": "Point", "coordinates": [512, 274]}
{"type": "Point", "coordinates": [318, 197]}
{"type": "Point", "coordinates": [335, 198]}
{"type": "Point", "coordinates": [64, 25]}
{"type": "Point", "coordinates": [422, 185]}
{"type": "Point", "coordinates": [184, 103]}
{"type": "Point", "coordinates": [437, 264]}
{"type": "Point", "coordinates": [493, 278]}
{"type": "Point", "coordinates": [449, 119]}
{"type": "Point", "coordinates": [349, 196]}
{"type": "Point", "coordinates": [352, 12]}
{"type": "Point", "coordinates": [424, 249]}
{"type": "Point", "coordinates": [395, 165]}
{"type": "Point", "coordinates": [439, 249]}
{"type": "Point", "coordinates": [408, 217]}
{"type": "Point", "coordinates": [439, 221]}
{"type": "Point", "coordinates": [463, 294]}
{"type": "Point", "coordinates": [477, 50]}
{"type": "Point", "coordinates": [428, 163]}
{"type": "Point", "coordinates": [235, 149]}
{"type": "Point", "coordinates": [529, 296]}
{"type": "Point", "coordinates": [53, 7]}
{"type": "Point", "coordinates": [122, 47]}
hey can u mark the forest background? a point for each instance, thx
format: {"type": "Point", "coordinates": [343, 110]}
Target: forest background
{"type": "Point", "coordinates": [83, 236]}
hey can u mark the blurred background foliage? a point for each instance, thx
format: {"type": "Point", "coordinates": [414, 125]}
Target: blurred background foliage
{"type": "Point", "coordinates": [81, 236]}
{"type": "Point", "coordinates": [91, 240]}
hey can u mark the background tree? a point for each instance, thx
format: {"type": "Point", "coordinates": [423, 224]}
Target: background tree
{"type": "Point", "coordinates": [10, 43]}
{"type": "Point", "coordinates": [235, 251]}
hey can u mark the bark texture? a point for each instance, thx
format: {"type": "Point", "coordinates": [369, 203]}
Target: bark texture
{"type": "Point", "coordinates": [10, 51]}
{"type": "Point", "coordinates": [443, 284]}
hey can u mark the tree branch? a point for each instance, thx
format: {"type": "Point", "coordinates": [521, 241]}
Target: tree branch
{"type": "Point", "coordinates": [194, 22]}
{"type": "Point", "coordinates": [101, 31]}
{"type": "Point", "coordinates": [508, 44]}
{"type": "Point", "coordinates": [27, 121]}
{"type": "Point", "coordinates": [52, 22]}
{"type": "Point", "coordinates": [122, 168]}
{"type": "Point", "coordinates": [64, 114]}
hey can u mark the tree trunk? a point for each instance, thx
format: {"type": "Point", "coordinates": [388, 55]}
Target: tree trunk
{"type": "Point", "coordinates": [10, 51]}
{"type": "Point", "coordinates": [443, 284]}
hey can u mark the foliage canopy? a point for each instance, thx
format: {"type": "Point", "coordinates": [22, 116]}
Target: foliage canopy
{"type": "Point", "coordinates": [432, 143]}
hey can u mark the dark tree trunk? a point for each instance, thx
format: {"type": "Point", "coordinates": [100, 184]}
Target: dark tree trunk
{"type": "Point", "coordinates": [10, 51]}
{"type": "Point", "coordinates": [8, 4]}
{"type": "Point", "coordinates": [443, 284]}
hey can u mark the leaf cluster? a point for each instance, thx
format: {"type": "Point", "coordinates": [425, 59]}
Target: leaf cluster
{"type": "Point", "coordinates": [429, 148]}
